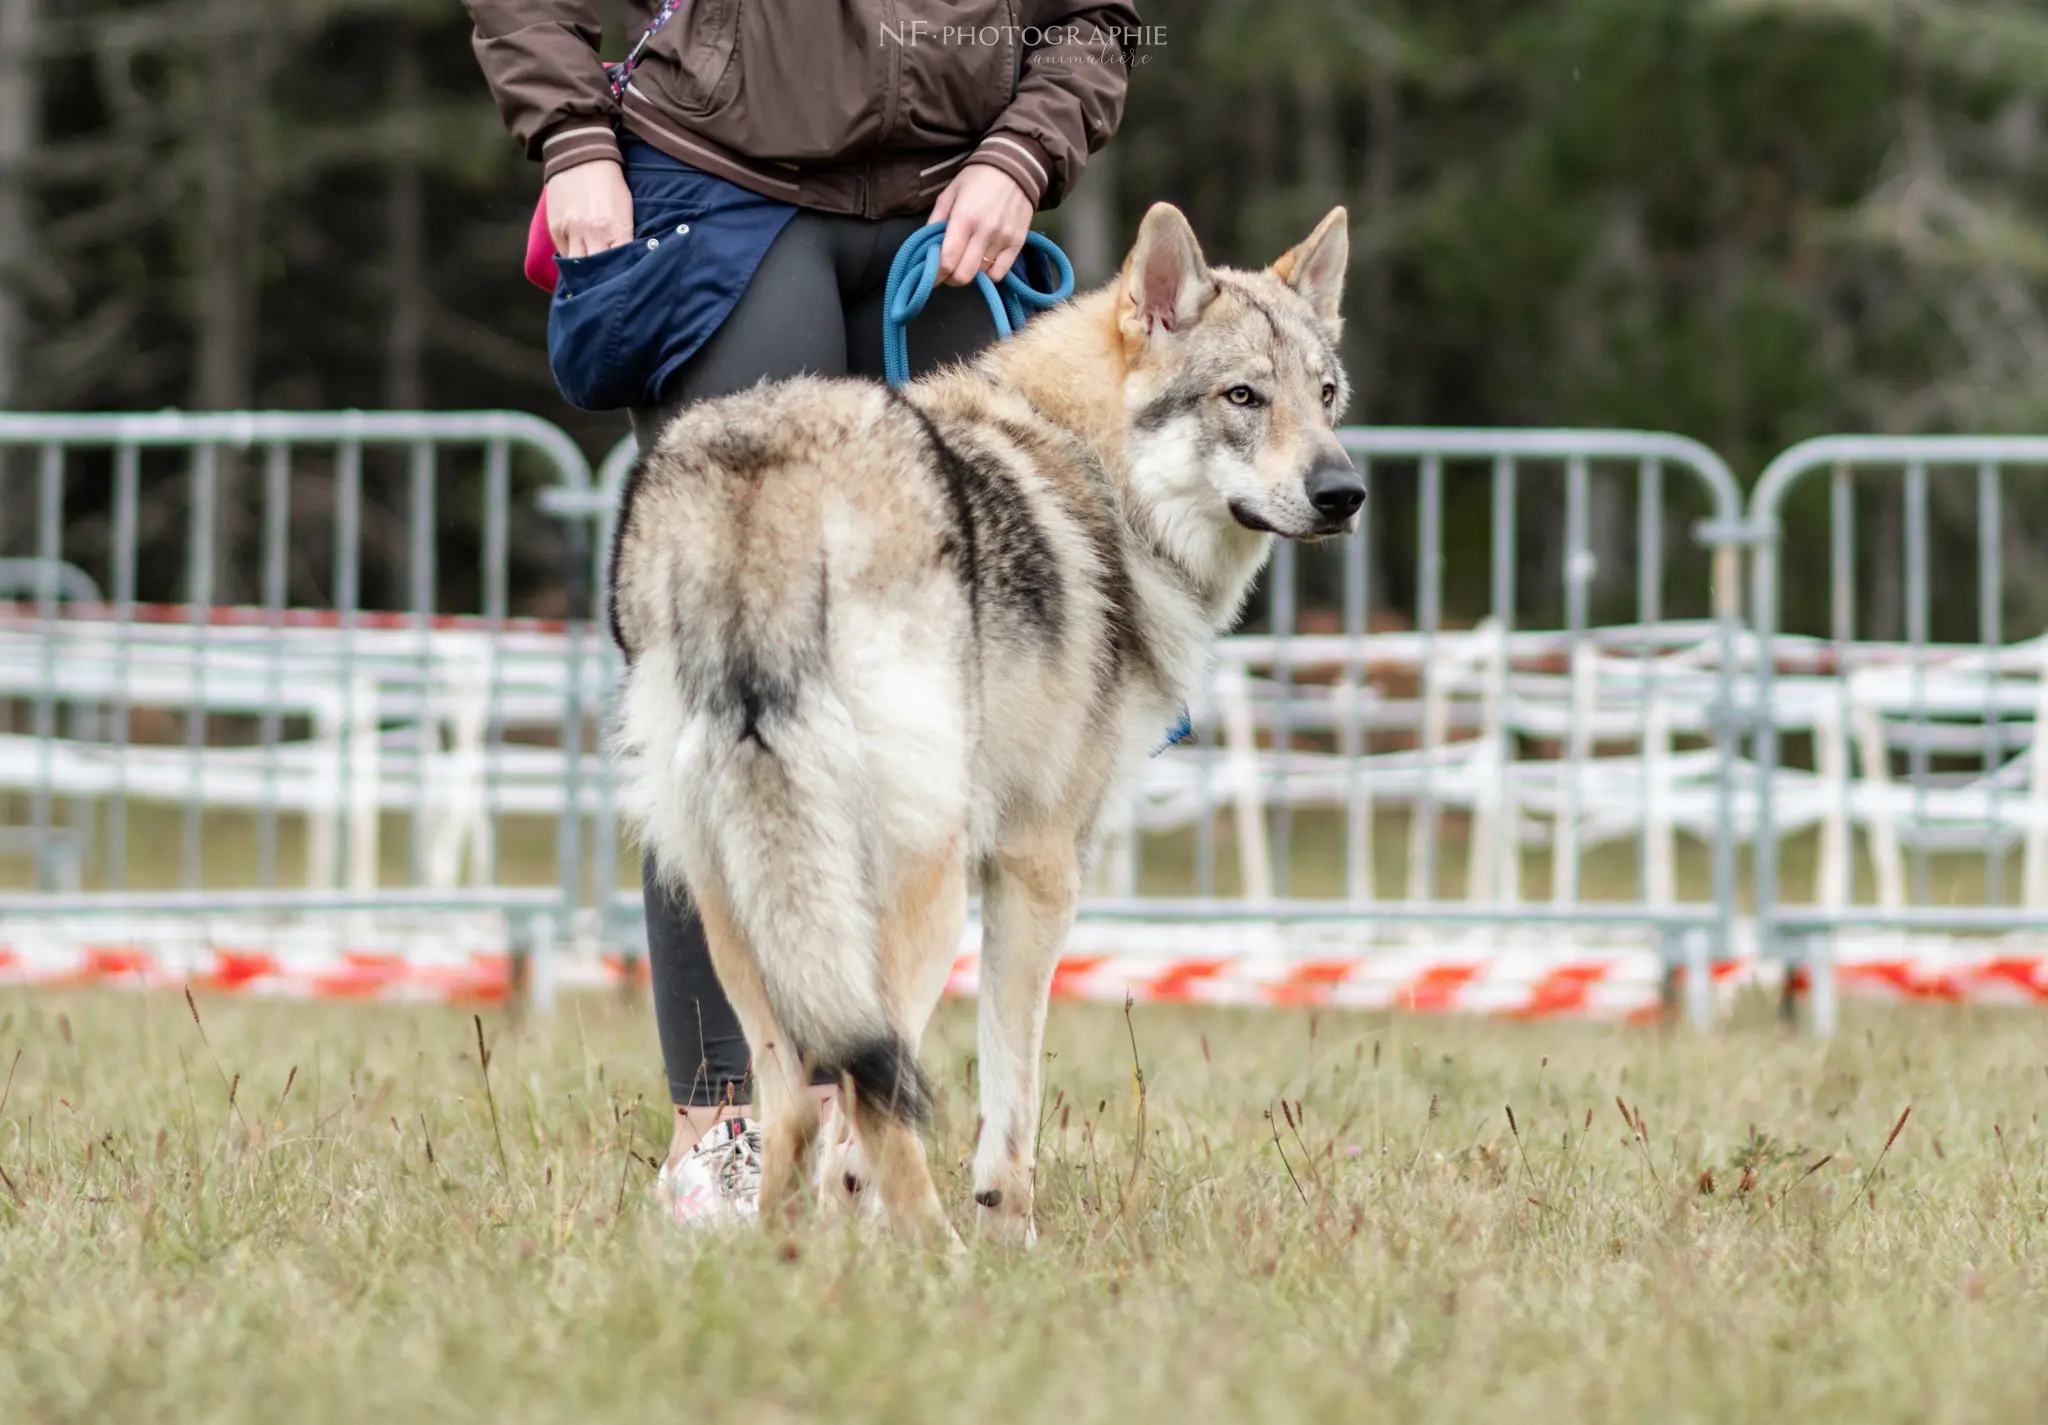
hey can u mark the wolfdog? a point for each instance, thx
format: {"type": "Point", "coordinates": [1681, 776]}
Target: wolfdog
{"type": "Point", "coordinates": [884, 646]}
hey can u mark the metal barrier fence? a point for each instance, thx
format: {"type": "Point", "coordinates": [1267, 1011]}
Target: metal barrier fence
{"type": "Point", "coordinates": [1940, 689]}
{"type": "Point", "coordinates": [277, 693]}
{"type": "Point", "coordinates": [278, 642]}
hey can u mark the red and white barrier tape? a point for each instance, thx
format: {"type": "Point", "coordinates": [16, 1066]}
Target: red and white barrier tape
{"type": "Point", "coordinates": [459, 960]}
{"type": "Point", "coordinates": [1621, 987]}
{"type": "Point", "coordinates": [2010, 979]}
{"type": "Point", "coordinates": [464, 960]}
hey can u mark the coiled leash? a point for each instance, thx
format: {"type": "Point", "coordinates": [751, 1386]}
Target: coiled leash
{"type": "Point", "coordinates": [913, 276]}
{"type": "Point", "coordinates": [915, 272]}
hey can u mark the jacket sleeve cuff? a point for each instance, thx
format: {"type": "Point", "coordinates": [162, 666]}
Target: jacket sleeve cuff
{"type": "Point", "coordinates": [1023, 159]}
{"type": "Point", "coordinates": [575, 143]}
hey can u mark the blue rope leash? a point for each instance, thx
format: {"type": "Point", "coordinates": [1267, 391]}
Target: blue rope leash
{"type": "Point", "coordinates": [914, 274]}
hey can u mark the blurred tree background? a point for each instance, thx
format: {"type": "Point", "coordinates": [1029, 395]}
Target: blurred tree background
{"type": "Point", "coordinates": [1747, 221]}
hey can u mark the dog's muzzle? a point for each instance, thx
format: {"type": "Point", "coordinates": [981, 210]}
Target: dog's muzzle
{"type": "Point", "coordinates": [1336, 490]}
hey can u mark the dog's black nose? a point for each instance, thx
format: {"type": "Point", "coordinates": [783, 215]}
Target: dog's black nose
{"type": "Point", "coordinates": [1336, 488]}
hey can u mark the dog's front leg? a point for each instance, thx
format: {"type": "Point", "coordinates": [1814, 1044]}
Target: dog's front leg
{"type": "Point", "coordinates": [1027, 909]}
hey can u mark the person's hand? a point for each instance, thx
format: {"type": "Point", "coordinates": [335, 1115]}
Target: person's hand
{"type": "Point", "coordinates": [986, 216]}
{"type": "Point", "coordinates": [590, 209]}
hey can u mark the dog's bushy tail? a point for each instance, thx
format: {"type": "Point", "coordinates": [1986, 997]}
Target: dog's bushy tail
{"type": "Point", "coordinates": [767, 788]}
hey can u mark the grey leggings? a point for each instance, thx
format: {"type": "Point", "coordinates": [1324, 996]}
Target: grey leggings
{"type": "Point", "coordinates": [814, 305]}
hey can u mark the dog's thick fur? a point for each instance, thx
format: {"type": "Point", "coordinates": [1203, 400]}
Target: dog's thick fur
{"type": "Point", "coordinates": [883, 646]}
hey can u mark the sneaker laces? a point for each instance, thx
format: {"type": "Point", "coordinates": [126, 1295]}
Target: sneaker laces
{"type": "Point", "coordinates": [732, 1151]}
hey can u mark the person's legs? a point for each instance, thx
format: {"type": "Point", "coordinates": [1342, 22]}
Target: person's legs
{"type": "Point", "coordinates": [788, 321]}
{"type": "Point", "coordinates": [702, 1048]}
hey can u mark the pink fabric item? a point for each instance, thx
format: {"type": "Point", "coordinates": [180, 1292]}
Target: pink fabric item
{"type": "Point", "coordinates": [540, 249]}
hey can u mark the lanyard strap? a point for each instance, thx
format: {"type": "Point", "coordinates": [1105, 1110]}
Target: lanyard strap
{"type": "Point", "coordinates": [621, 74]}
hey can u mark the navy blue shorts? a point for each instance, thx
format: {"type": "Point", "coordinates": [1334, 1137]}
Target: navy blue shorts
{"type": "Point", "coordinates": [624, 320]}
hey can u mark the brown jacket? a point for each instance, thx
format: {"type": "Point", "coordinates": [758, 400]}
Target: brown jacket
{"type": "Point", "coordinates": [866, 107]}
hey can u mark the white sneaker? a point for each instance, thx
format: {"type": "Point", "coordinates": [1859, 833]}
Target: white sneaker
{"type": "Point", "coordinates": [718, 1182]}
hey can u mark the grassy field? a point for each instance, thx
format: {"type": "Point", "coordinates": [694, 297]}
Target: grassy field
{"type": "Point", "coordinates": [317, 1212]}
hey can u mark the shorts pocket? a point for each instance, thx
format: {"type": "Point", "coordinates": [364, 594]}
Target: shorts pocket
{"type": "Point", "coordinates": [593, 298]}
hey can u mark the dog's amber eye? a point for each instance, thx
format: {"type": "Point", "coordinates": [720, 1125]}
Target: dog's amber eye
{"type": "Point", "coordinates": [1242, 396]}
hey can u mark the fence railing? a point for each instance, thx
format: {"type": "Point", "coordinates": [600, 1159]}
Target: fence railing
{"type": "Point", "coordinates": [229, 633]}
{"type": "Point", "coordinates": [1945, 729]}
{"type": "Point", "coordinates": [288, 678]}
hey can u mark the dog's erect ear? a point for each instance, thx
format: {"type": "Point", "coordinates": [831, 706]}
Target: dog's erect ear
{"type": "Point", "coordinates": [1315, 268]}
{"type": "Point", "coordinates": [1165, 283]}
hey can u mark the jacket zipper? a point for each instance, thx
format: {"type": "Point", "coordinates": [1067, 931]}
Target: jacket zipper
{"type": "Point", "coordinates": [1016, 50]}
{"type": "Point", "coordinates": [892, 90]}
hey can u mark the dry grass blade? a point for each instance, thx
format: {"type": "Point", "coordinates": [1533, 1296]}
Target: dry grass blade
{"type": "Point", "coordinates": [483, 1056]}
{"type": "Point", "coordinates": [230, 1085]}
{"type": "Point", "coordinates": [1274, 1124]}
{"type": "Point", "coordinates": [289, 1079]}
{"type": "Point", "coordinates": [1428, 1123]}
{"type": "Point", "coordinates": [6, 1094]}
{"type": "Point", "coordinates": [1131, 1183]}
{"type": "Point", "coordinates": [1639, 1137]}
{"type": "Point", "coordinates": [1867, 1190]}
{"type": "Point", "coordinates": [1295, 1118]}
{"type": "Point", "coordinates": [1528, 1172]}
{"type": "Point", "coordinates": [1053, 1107]}
{"type": "Point", "coordinates": [1816, 1167]}
{"type": "Point", "coordinates": [626, 1157]}
{"type": "Point", "coordinates": [2005, 1156]}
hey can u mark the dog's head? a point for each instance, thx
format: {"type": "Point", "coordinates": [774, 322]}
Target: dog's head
{"type": "Point", "coordinates": [1234, 387]}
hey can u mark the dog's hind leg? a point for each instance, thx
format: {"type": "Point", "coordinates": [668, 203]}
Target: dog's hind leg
{"type": "Point", "coordinates": [920, 934]}
{"type": "Point", "coordinates": [789, 1115]}
{"type": "Point", "coordinates": [899, 1174]}
{"type": "Point", "coordinates": [1027, 908]}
